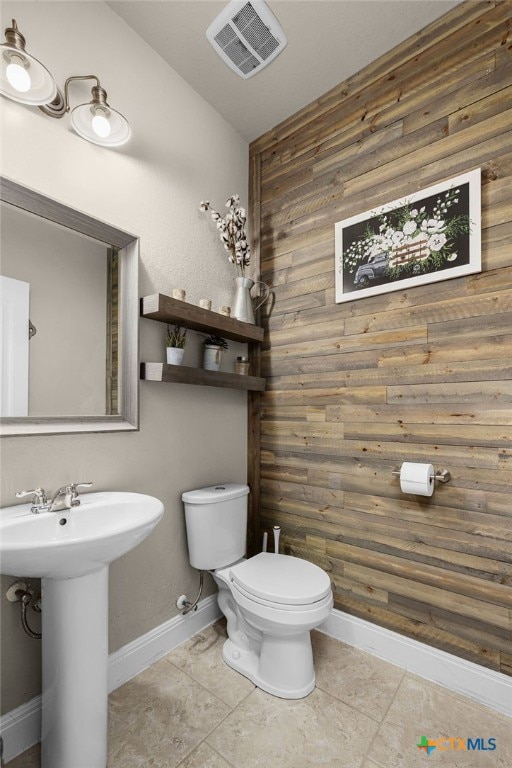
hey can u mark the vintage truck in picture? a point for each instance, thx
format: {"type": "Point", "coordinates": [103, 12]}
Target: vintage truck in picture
{"type": "Point", "coordinates": [377, 266]}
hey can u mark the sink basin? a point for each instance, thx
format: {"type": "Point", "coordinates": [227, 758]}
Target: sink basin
{"type": "Point", "coordinates": [71, 550]}
{"type": "Point", "coordinates": [75, 542]}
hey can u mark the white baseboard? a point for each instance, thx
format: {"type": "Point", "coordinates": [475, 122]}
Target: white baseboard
{"type": "Point", "coordinates": [131, 659]}
{"type": "Point", "coordinates": [21, 728]}
{"type": "Point", "coordinates": [485, 686]}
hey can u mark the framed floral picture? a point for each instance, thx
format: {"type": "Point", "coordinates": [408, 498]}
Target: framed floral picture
{"type": "Point", "coordinates": [432, 235]}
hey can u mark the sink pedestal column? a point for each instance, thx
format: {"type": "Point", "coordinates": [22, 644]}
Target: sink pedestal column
{"type": "Point", "coordinates": [75, 657]}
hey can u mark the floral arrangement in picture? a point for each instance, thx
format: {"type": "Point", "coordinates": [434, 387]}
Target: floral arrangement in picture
{"type": "Point", "coordinates": [232, 231]}
{"type": "Point", "coordinates": [415, 239]}
{"type": "Point", "coordinates": [433, 235]}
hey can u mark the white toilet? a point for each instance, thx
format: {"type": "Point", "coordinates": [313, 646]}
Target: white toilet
{"type": "Point", "coordinates": [271, 602]}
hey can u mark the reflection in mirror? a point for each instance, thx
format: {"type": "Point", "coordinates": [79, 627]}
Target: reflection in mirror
{"type": "Point", "coordinates": [68, 299]}
{"type": "Point", "coordinates": [70, 280]}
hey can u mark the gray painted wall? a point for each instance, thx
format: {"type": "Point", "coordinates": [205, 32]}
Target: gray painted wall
{"type": "Point", "coordinates": [181, 152]}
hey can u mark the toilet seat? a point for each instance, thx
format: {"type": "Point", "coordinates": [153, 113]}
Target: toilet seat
{"type": "Point", "coordinates": [280, 581]}
{"type": "Point", "coordinates": [245, 598]}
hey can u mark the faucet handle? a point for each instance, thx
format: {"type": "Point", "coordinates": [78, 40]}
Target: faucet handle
{"type": "Point", "coordinates": [39, 499]}
{"type": "Point", "coordinates": [38, 495]}
{"type": "Point", "coordinates": [82, 485]}
{"type": "Point", "coordinates": [72, 490]}
{"type": "Point", "coordinates": [73, 487]}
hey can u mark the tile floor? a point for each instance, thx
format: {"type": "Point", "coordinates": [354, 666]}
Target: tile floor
{"type": "Point", "coordinates": [191, 710]}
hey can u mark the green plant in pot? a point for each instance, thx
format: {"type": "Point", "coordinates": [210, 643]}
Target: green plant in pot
{"type": "Point", "coordinates": [213, 346]}
{"type": "Point", "coordinates": [175, 340]}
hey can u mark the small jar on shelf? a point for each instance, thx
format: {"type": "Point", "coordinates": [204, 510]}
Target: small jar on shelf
{"type": "Point", "coordinates": [242, 366]}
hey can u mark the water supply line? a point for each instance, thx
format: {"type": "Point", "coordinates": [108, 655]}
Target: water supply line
{"type": "Point", "coordinates": [184, 604]}
{"type": "Point", "coordinates": [21, 593]}
{"type": "Point", "coordinates": [25, 601]}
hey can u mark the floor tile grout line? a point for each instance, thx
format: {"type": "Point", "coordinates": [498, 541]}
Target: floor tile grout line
{"type": "Point", "coordinates": [232, 765]}
{"type": "Point", "coordinates": [400, 682]}
{"type": "Point", "coordinates": [360, 651]}
{"type": "Point", "coordinates": [346, 704]}
{"type": "Point", "coordinates": [328, 695]}
{"type": "Point", "coordinates": [191, 677]}
{"type": "Point", "coordinates": [350, 706]}
{"type": "Point", "coordinates": [210, 693]}
{"type": "Point", "coordinates": [207, 736]}
{"type": "Point", "coordinates": [207, 690]}
{"type": "Point", "coordinates": [252, 693]}
{"type": "Point", "coordinates": [221, 722]}
{"type": "Point", "coordinates": [203, 740]}
{"type": "Point", "coordinates": [189, 755]}
{"type": "Point", "coordinates": [382, 720]}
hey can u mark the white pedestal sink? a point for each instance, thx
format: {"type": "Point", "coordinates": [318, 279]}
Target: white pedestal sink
{"type": "Point", "coordinates": [71, 551]}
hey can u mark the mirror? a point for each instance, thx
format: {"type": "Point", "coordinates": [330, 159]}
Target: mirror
{"type": "Point", "coordinates": [69, 319]}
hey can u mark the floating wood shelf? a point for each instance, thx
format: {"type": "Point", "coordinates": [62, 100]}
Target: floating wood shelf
{"type": "Point", "coordinates": [183, 374]}
{"type": "Point", "coordinates": [167, 310]}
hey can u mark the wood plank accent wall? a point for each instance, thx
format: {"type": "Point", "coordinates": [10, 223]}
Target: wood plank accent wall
{"type": "Point", "coordinates": [423, 374]}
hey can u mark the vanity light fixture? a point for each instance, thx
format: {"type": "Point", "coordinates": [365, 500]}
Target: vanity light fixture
{"type": "Point", "coordinates": [24, 79]}
{"type": "Point", "coordinates": [94, 121]}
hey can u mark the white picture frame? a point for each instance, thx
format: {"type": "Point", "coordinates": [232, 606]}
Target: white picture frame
{"type": "Point", "coordinates": [431, 235]}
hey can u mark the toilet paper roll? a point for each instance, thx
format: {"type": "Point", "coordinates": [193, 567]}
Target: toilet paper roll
{"type": "Point", "coordinates": [417, 478]}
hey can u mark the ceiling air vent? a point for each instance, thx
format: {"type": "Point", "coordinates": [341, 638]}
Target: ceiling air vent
{"type": "Point", "coordinates": [247, 36]}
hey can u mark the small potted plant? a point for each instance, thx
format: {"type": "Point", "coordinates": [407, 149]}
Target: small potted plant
{"type": "Point", "coordinates": [175, 341]}
{"type": "Point", "coordinates": [213, 346]}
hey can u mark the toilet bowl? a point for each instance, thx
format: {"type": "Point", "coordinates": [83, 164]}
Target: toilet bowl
{"type": "Point", "coordinates": [269, 621]}
{"type": "Point", "coordinates": [271, 602]}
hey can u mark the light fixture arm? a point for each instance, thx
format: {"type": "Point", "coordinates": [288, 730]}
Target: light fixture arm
{"type": "Point", "coordinates": [60, 105]}
{"type": "Point", "coordinates": [98, 87]}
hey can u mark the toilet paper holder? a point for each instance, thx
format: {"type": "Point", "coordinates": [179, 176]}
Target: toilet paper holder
{"type": "Point", "coordinates": [443, 475]}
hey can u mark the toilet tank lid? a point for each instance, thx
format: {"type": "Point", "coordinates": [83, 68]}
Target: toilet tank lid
{"type": "Point", "coordinates": [214, 493]}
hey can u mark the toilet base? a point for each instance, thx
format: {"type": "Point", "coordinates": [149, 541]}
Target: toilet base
{"type": "Point", "coordinates": [288, 664]}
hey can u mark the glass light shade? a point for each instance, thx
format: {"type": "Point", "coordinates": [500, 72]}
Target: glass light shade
{"type": "Point", "coordinates": [42, 88]}
{"type": "Point", "coordinates": [82, 121]}
{"type": "Point", "coordinates": [17, 75]}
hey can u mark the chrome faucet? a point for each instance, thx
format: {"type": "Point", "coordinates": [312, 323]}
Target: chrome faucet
{"type": "Point", "coordinates": [65, 497]}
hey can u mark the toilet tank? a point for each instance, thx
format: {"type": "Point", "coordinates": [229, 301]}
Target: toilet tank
{"type": "Point", "coordinates": [216, 520]}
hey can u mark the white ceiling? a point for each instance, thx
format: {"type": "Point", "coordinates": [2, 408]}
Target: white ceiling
{"type": "Point", "coordinates": [328, 40]}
